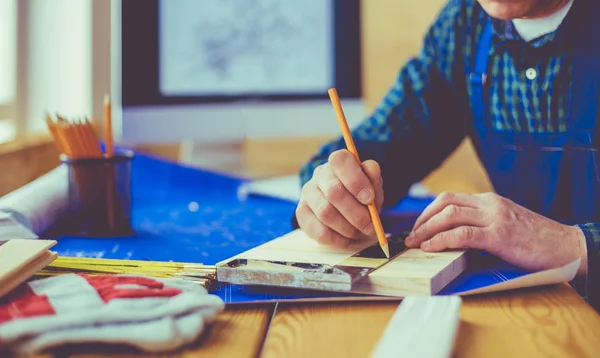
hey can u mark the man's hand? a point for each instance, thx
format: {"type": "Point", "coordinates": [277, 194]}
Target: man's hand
{"type": "Point", "coordinates": [333, 206]}
{"type": "Point", "coordinates": [500, 227]}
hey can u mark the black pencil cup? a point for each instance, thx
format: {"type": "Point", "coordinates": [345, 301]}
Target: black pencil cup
{"type": "Point", "coordinates": [99, 196]}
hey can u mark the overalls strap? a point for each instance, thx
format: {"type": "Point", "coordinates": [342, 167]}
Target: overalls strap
{"type": "Point", "coordinates": [479, 76]}
{"type": "Point", "coordinates": [585, 94]}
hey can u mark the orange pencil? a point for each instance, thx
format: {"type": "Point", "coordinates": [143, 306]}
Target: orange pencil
{"type": "Point", "coordinates": [108, 126]}
{"type": "Point", "coordinates": [109, 154]}
{"type": "Point", "coordinates": [91, 138]}
{"type": "Point", "coordinates": [337, 106]}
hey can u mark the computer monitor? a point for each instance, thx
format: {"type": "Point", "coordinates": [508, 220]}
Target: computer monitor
{"type": "Point", "coordinates": [225, 70]}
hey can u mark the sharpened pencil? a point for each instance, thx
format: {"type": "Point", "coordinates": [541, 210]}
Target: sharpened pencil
{"type": "Point", "coordinates": [109, 154]}
{"type": "Point", "coordinates": [339, 112]}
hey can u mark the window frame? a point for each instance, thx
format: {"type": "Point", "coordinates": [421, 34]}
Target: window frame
{"type": "Point", "coordinates": [8, 110]}
{"type": "Point", "coordinates": [13, 112]}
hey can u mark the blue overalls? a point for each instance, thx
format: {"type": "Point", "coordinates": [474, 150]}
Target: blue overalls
{"type": "Point", "coordinates": [554, 174]}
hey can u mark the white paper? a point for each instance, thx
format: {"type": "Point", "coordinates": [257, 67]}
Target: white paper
{"type": "Point", "coordinates": [419, 190]}
{"type": "Point", "coordinates": [288, 188]}
{"type": "Point", "coordinates": [285, 188]}
{"type": "Point", "coordinates": [11, 229]}
{"type": "Point", "coordinates": [547, 277]}
{"type": "Point", "coordinates": [229, 47]}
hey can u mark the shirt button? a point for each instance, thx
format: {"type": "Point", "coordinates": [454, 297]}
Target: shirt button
{"type": "Point", "coordinates": [531, 73]}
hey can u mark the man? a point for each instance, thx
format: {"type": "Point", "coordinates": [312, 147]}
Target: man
{"type": "Point", "coordinates": [521, 78]}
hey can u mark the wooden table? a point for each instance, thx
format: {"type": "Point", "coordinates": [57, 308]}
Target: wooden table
{"type": "Point", "coordinates": [544, 322]}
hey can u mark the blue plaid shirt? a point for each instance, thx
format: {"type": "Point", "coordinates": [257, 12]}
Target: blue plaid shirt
{"type": "Point", "coordinates": [427, 110]}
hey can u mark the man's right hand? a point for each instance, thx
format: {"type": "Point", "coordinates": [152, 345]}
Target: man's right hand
{"type": "Point", "coordinates": [333, 206]}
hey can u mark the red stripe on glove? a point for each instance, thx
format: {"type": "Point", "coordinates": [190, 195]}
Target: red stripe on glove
{"type": "Point", "coordinates": [23, 303]}
{"type": "Point", "coordinates": [107, 287]}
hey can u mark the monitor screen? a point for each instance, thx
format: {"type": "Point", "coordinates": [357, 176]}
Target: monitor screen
{"type": "Point", "coordinates": [210, 51]}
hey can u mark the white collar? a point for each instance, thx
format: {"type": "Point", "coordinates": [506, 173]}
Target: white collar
{"type": "Point", "coordinates": [530, 29]}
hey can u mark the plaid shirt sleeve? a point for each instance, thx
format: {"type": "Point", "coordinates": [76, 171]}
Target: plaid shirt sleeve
{"type": "Point", "coordinates": [589, 286]}
{"type": "Point", "coordinates": [420, 120]}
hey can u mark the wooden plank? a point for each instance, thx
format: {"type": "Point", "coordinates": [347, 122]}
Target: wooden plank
{"type": "Point", "coordinates": [550, 321]}
{"type": "Point", "coordinates": [318, 268]}
{"type": "Point", "coordinates": [414, 272]}
{"type": "Point", "coordinates": [14, 279]}
{"type": "Point", "coordinates": [419, 320]}
{"type": "Point", "coordinates": [21, 259]}
{"type": "Point", "coordinates": [410, 272]}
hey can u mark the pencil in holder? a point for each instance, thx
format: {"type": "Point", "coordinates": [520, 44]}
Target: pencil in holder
{"type": "Point", "coordinates": [100, 199]}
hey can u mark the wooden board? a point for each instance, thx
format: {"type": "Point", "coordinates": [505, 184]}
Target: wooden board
{"type": "Point", "coordinates": [21, 259]}
{"type": "Point", "coordinates": [419, 320]}
{"type": "Point", "coordinates": [279, 263]}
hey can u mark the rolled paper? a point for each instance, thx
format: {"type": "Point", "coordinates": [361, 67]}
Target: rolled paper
{"type": "Point", "coordinates": [41, 203]}
{"type": "Point", "coordinates": [14, 226]}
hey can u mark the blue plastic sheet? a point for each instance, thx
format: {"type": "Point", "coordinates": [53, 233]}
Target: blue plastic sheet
{"type": "Point", "coordinates": [186, 214]}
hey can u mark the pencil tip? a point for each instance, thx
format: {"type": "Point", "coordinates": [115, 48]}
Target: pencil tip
{"type": "Point", "coordinates": [386, 251]}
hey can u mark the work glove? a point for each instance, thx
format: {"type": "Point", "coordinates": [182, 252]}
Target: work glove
{"type": "Point", "coordinates": [151, 314]}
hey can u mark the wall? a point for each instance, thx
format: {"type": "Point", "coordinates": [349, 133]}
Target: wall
{"type": "Point", "coordinates": [392, 33]}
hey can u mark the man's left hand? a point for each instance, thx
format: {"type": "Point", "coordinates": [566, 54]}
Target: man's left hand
{"type": "Point", "coordinates": [500, 227]}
